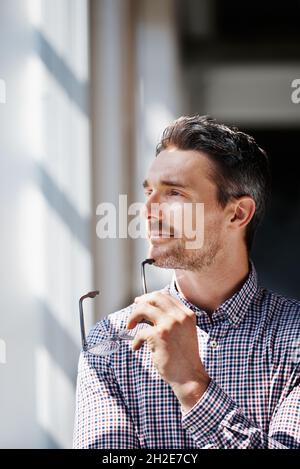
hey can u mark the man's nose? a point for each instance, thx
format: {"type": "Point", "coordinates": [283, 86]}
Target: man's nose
{"type": "Point", "coordinates": [151, 207]}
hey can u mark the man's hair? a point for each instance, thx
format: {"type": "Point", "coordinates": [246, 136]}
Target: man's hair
{"type": "Point", "coordinates": [240, 166]}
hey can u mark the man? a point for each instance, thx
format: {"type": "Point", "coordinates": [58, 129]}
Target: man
{"type": "Point", "coordinates": [219, 367]}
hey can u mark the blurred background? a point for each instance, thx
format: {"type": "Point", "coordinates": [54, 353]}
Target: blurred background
{"type": "Point", "coordinates": [86, 88]}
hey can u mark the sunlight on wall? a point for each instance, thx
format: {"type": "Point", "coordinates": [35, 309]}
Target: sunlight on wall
{"type": "Point", "coordinates": [2, 352]}
{"type": "Point", "coordinates": [33, 99]}
{"type": "Point", "coordinates": [57, 135]}
{"type": "Point", "coordinates": [31, 244]}
{"type": "Point", "coordinates": [55, 265]}
{"type": "Point", "coordinates": [158, 117]}
{"type": "Point", "coordinates": [55, 208]}
{"type": "Point", "coordinates": [2, 91]}
{"type": "Point", "coordinates": [64, 24]}
{"type": "Point", "coordinates": [54, 202]}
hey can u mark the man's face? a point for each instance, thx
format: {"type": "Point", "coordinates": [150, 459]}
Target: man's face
{"type": "Point", "coordinates": [178, 179]}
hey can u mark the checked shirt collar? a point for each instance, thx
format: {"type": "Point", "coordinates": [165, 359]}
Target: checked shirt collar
{"type": "Point", "coordinates": [233, 309]}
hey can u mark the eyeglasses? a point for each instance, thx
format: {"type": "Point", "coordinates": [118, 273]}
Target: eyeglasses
{"type": "Point", "coordinates": [109, 343]}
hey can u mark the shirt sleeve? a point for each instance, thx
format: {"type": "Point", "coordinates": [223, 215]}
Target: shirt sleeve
{"type": "Point", "coordinates": [216, 421]}
{"type": "Point", "coordinates": [101, 417]}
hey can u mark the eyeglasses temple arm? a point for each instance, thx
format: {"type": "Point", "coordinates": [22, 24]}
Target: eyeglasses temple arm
{"type": "Point", "coordinates": [82, 328]}
{"type": "Point", "coordinates": [146, 261]}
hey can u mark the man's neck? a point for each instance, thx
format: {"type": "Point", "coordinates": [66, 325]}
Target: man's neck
{"type": "Point", "coordinates": [211, 286]}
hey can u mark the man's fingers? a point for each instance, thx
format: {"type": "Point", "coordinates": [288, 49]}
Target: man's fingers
{"type": "Point", "coordinates": [156, 298]}
{"type": "Point", "coordinates": [164, 301]}
{"type": "Point", "coordinates": [140, 338]}
{"type": "Point", "coordinates": [142, 311]}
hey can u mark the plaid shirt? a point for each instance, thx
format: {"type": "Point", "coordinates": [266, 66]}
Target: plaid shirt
{"type": "Point", "coordinates": [251, 350]}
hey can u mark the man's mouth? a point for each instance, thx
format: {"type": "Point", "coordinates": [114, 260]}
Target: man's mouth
{"type": "Point", "coordinates": [160, 235]}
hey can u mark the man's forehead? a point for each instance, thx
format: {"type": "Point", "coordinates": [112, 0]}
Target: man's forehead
{"type": "Point", "coordinates": [168, 175]}
{"type": "Point", "coordinates": [166, 180]}
{"type": "Point", "coordinates": [183, 167]}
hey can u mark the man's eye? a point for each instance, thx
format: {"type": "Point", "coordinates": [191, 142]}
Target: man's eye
{"type": "Point", "coordinates": [174, 193]}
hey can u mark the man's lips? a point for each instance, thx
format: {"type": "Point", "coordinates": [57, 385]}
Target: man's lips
{"type": "Point", "coordinates": [157, 235]}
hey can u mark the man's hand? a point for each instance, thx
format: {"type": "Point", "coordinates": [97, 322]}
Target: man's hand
{"type": "Point", "coordinates": [173, 342]}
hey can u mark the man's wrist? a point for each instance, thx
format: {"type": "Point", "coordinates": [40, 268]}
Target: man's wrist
{"type": "Point", "coordinates": [190, 392]}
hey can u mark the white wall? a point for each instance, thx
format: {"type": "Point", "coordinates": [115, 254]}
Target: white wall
{"type": "Point", "coordinates": [46, 209]}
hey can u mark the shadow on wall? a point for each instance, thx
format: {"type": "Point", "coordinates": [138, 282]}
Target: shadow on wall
{"type": "Point", "coordinates": [77, 90]}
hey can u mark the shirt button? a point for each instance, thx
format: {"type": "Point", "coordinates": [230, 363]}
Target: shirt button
{"type": "Point", "coordinates": [213, 344]}
{"type": "Point", "coordinates": [192, 429]}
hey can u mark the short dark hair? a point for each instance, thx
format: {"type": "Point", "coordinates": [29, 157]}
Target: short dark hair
{"type": "Point", "coordinates": [240, 166]}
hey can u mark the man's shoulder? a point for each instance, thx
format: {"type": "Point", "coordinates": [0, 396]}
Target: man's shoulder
{"type": "Point", "coordinates": [282, 313]}
{"type": "Point", "coordinates": [280, 304]}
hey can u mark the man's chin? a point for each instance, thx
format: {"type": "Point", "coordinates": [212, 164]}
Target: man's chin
{"type": "Point", "coordinates": [163, 256]}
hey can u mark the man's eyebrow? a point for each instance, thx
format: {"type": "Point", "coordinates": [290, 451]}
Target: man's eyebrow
{"type": "Point", "coordinates": [166, 182]}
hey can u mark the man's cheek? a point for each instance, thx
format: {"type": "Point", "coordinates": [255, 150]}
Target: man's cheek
{"type": "Point", "coordinates": [193, 225]}
{"type": "Point", "coordinates": [176, 220]}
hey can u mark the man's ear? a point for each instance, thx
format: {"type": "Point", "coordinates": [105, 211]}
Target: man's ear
{"type": "Point", "coordinates": [242, 212]}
